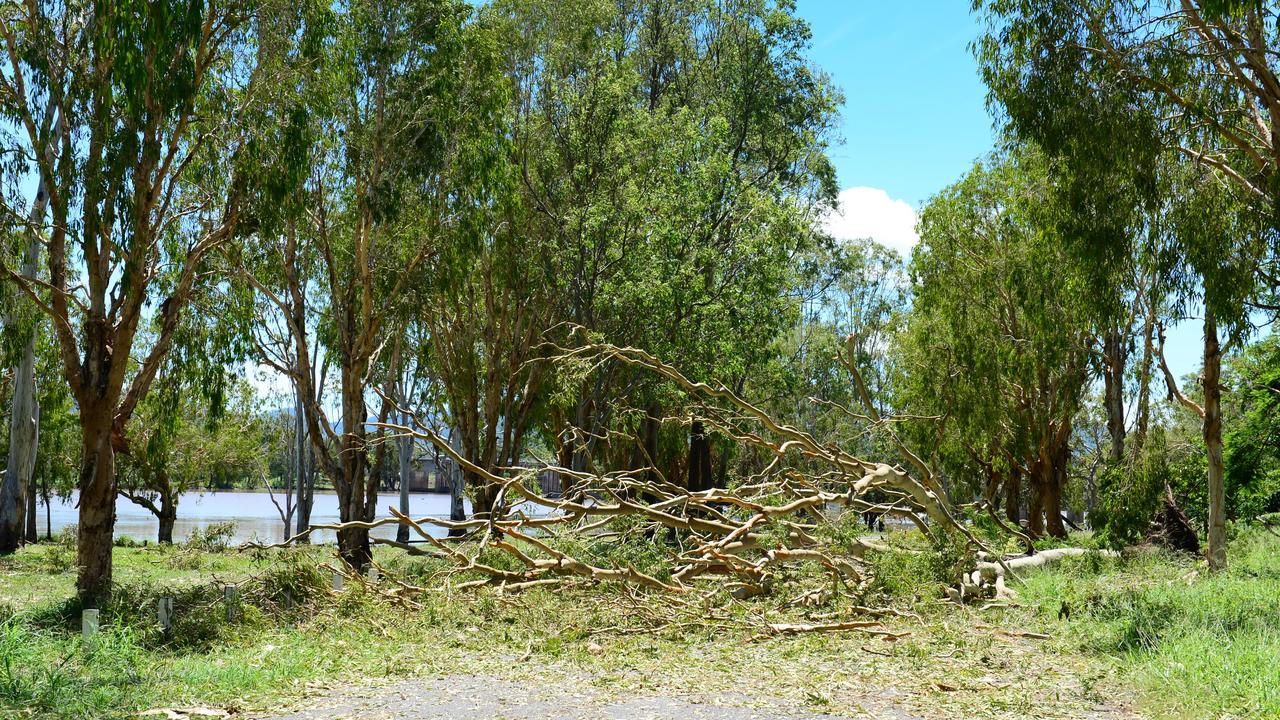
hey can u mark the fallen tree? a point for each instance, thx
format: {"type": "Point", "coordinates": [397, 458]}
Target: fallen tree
{"type": "Point", "coordinates": [988, 579]}
{"type": "Point", "coordinates": [781, 538]}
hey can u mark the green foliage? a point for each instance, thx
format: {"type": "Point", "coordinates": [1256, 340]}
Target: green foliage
{"type": "Point", "coordinates": [673, 159]}
{"type": "Point", "coordinates": [1252, 437]}
{"type": "Point", "coordinates": [58, 557]}
{"type": "Point", "coordinates": [921, 574]}
{"type": "Point", "coordinates": [995, 342]}
{"type": "Point", "coordinates": [213, 537]}
{"type": "Point", "coordinates": [1173, 455]}
{"type": "Point", "coordinates": [1197, 645]}
{"type": "Point", "coordinates": [1095, 84]}
{"type": "Point", "coordinates": [1129, 496]}
{"type": "Point", "coordinates": [291, 580]}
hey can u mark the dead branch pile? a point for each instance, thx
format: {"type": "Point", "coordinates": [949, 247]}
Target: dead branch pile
{"type": "Point", "coordinates": [752, 540]}
{"type": "Point", "coordinates": [781, 534]}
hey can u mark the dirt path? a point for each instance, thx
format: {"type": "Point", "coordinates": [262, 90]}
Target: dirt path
{"type": "Point", "coordinates": [474, 697]}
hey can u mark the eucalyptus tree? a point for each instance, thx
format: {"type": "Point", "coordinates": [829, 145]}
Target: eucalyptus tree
{"type": "Point", "coordinates": [391, 98]}
{"type": "Point", "coordinates": [53, 453]}
{"type": "Point", "coordinates": [996, 342]}
{"type": "Point", "coordinates": [22, 325]}
{"type": "Point", "coordinates": [852, 301]}
{"type": "Point", "coordinates": [1252, 442]}
{"type": "Point", "coordinates": [672, 161]}
{"type": "Point", "coordinates": [182, 440]}
{"type": "Point", "coordinates": [1188, 89]}
{"type": "Point", "coordinates": [130, 114]}
{"type": "Point", "coordinates": [486, 325]}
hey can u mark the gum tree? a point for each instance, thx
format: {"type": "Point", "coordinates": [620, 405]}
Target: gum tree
{"type": "Point", "coordinates": [389, 101]}
{"type": "Point", "coordinates": [672, 161]}
{"type": "Point", "coordinates": [130, 113]}
{"type": "Point", "coordinates": [1187, 91]}
{"type": "Point", "coordinates": [996, 342]}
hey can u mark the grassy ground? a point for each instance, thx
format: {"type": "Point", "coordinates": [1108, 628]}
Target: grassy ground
{"type": "Point", "coordinates": [1145, 633]}
{"type": "Point", "coordinates": [1191, 645]}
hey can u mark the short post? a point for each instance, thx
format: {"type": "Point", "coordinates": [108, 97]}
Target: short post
{"type": "Point", "coordinates": [337, 581]}
{"type": "Point", "coordinates": [288, 600]}
{"type": "Point", "coordinates": [89, 624]}
{"type": "Point", "coordinates": [164, 614]}
{"type": "Point", "coordinates": [229, 594]}
{"type": "Point", "coordinates": [372, 574]}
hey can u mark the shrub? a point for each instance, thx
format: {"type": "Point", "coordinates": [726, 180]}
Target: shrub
{"type": "Point", "coordinates": [214, 537]}
{"type": "Point", "coordinates": [67, 536]}
{"type": "Point", "coordinates": [58, 558]}
{"type": "Point", "coordinates": [903, 575]}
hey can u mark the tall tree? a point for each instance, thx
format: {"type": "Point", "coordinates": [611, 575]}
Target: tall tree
{"type": "Point", "coordinates": [996, 340]}
{"type": "Point", "coordinates": [1188, 90]}
{"type": "Point", "coordinates": [392, 104]}
{"type": "Point", "coordinates": [672, 161]}
{"type": "Point", "coordinates": [17, 491]}
{"type": "Point", "coordinates": [142, 185]}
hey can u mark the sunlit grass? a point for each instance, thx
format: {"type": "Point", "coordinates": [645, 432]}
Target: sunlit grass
{"type": "Point", "coordinates": [1148, 631]}
{"type": "Point", "coordinates": [1195, 645]}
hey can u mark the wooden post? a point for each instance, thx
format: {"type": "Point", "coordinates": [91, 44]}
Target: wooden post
{"type": "Point", "coordinates": [164, 613]}
{"type": "Point", "coordinates": [229, 596]}
{"type": "Point", "coordinates": [337, 581]}
{"type": "Point", "coordinates": [89, 624]}
{"type": "Point", "coordinates": [372, 574]}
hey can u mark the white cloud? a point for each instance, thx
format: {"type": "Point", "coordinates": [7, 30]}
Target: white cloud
{"type": "Point", "coordinates": [867, 212]}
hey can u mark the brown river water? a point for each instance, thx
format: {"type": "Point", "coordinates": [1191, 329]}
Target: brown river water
{"type": "Point", "coordinates": [255, 516]}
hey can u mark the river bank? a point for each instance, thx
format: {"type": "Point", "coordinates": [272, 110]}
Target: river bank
{"type": "Point", "coordinates": [255, 515]}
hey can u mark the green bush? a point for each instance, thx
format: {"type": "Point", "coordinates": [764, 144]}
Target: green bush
{"type": "Point", "coordinates": [58, 558]}
{"type": "Point", "coordinates": [1128, 495]}
{"type": "Point", "coordinates": [901, 575]}
{"type": "Point", "coordinates": [291, 582]}
{"type": "Point", "coordinates": [214, 537]}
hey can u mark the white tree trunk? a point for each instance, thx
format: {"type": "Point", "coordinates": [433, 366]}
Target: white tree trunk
{"type": "Point", "coordinates": [22, 420]}
{"type": "Point", "coordinates": [299, 462]}
{"type": "Point", "coordinates": [32, 532]}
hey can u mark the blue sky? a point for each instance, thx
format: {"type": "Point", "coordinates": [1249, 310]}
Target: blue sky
{"type": "Point", "coordinates": [915, 117]}
{"type": "Point", "coordinates": [915, 114]}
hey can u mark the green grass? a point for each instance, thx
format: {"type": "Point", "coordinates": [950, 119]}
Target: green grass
{"type": "Point", "coordinates": [1193, 645]}
{"type": "Point", "coordinates": [46, 572]}
{"type": "Point", "coordinates": [1144, 632]}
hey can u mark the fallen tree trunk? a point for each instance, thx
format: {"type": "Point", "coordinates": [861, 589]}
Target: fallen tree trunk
{"type": "Point", "coordinates": [989, 578]}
